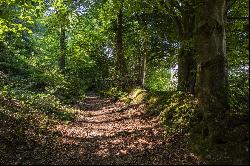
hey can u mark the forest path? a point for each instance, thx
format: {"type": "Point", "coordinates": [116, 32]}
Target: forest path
{"type": "Point", "coordinates": [107, 132]}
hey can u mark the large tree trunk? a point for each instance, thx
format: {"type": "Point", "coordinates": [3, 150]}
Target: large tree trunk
{"type": "Point", "coordinates": [186, 57]}
{"type": "Point", "coordinates": [62, 58]}
{"type": "Point", "coordinates": [211, 81]}
{"type": "Point", "coordinates": [186, 69]}
{"type": "Point", "coordinates": [120, 59]}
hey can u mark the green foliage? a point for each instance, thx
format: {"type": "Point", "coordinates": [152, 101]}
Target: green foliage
{"type": "Point", "coordinates": [239, 92]}
{"type": "Point", "coordinates": [179, 111]}
{"type": "Point", "coordinates": [113, 92]}
{"type": "Point", "coordinates": [45, 103]}
{"type": "Point", "coordinates": [176, 109]}
{"type": "Point", "coordinates": [238, 56]}
{"type": "Point", "coordinates": [16, 16]}
{"type": "Point", "coordinates": [159, 80]}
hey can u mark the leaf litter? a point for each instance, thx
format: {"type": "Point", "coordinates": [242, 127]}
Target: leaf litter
{"type": "Point", "coordinates": [103, 135]}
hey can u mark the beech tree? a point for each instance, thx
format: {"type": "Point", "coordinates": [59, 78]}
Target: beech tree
{"type": "Point", "coordinates": [211, 79]}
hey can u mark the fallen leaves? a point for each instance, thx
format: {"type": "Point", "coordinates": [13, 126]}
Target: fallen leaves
{"type": "Point", "coordinates": [103, 135]}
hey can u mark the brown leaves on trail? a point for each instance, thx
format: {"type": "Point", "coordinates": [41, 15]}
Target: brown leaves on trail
{"type": "Point", "coordinates": [104, 135]}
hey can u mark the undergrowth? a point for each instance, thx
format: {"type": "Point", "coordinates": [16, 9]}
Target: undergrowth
{"type": "Point", "coordinates": [28, 109]}
{"type": "Point", "coordinates": [179, 112]}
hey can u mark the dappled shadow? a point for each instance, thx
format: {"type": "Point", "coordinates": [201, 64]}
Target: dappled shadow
{"type": "Point", "coordinates": [135, 147]}
{"type": "Point", "coordinates": [23, 128]}
{"type": "Point", "coordinates": [93, 104]}
{"type": "Point", "coordinates": [104, 135]}
{"type": "Point", "coordinates": [17, 137]}
{"type": "Point", "coordinates": [106, 113]}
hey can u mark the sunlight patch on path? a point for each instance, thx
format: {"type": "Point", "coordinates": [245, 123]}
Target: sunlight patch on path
{"type": "Point", "coordinates": [103, 135]}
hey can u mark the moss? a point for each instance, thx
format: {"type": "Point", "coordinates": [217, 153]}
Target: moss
{"type": "Point", "coordinates": [152, 108]}
{"type": "Point", "coordinates": [139, 98]}
{"type": "Point", "coordinates": [135, 96]}
{"type": "Point", "coordinates": [135, 92]}
{"type": "Point", "coordinates": [152, 100]}
{"type": "Point", "coordinates": [114, 93]}
{"type": "Point", "coordinates": [126, 100]}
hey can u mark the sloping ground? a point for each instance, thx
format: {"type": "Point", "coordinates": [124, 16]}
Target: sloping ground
{"type": "Point", "coordinates": [105, 132]}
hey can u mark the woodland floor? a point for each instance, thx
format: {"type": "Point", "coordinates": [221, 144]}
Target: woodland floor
{"type": "Point", "coordinates": [107, 132]}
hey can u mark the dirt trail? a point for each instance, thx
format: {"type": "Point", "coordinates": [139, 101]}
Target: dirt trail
{"type": "Point", "coordinates": [107, 132]}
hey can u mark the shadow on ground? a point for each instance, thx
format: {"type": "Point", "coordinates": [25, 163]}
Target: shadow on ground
{"type": "Point", "coordinates": [104, 135]}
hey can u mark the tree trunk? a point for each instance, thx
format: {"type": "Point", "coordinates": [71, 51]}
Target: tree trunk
{"type": "Point", "coordinates": [186, 69]}
{"type": "Point", "coordinates": [62, 58]}
{"type": "Point", "coordinates": [186, 57]}
{"type": "Point", "coordinates": [211, 81]}
{"type": "Point", "coordinates": [143, 69]}
{"type": "Point", "coordinates": [120, 59]}
{"type": "Point", "coordinates": [139, 68]}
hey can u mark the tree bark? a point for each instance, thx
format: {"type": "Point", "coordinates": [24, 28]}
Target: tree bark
{"type": "Point", "coordinates": [186, 57]}
{"type": "Point", "coordinates": [139, 67]}
{"type": "Point", "coordinates": [143, 69]}
{"type": "Point", "coordinates": [120, 59]}
{"type": "Point", "coordinates": [211, 81]}
{"type": "Point", "coordinates": [186, 69]}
